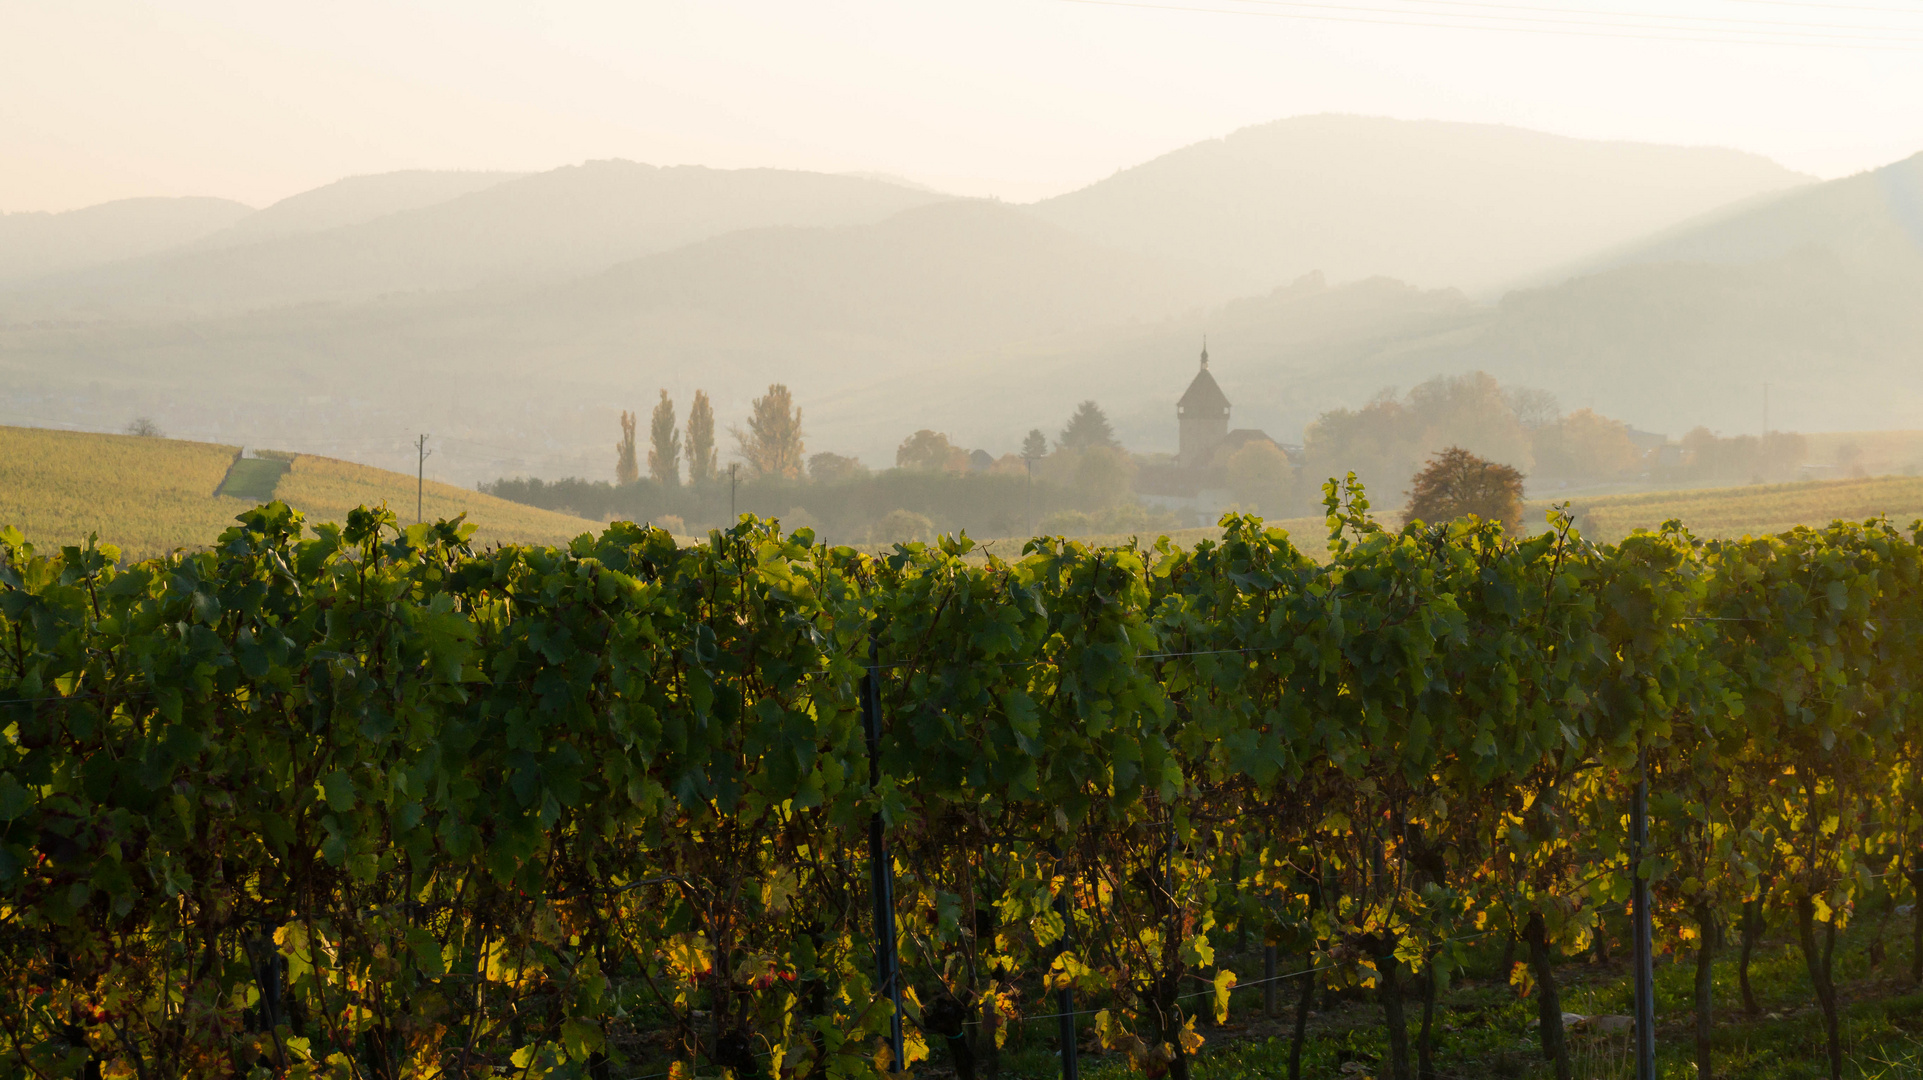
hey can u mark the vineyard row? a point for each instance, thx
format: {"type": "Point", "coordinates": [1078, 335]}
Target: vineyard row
{"type": "Point", "coordinates": [364, 801]}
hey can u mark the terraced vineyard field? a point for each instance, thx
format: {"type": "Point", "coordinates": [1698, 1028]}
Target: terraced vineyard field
{"type": "Point", "coordinates": [150, 496]}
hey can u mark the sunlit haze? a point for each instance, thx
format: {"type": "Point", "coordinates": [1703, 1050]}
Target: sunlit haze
{"type": "Point", "coordinates": [961, 539]}
{"type": "Point", "coordinates": [103, 99]}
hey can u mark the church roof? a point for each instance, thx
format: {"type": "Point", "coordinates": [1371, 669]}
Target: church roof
{"type": "Point", "coordinates": [1203, 395]}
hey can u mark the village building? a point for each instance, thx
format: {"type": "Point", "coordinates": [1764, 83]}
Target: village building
{"type": "Point", "coordinates": [1195, 484]}
{"type": "Point", "coordinates": [1202, 418]}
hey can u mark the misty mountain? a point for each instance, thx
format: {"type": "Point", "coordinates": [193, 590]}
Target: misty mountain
{"type": "Point", "coordinates": [1669, 346]}
{"type": "Point", "coordinates": [1438, 204]}
{"type": "Point", "coordinates": [955, 275]}
{"type": "Point", "coordinates": [1812, 295]}
{"type": "Point", "coordinates": [37, 245]}
{"type": "Point", "coordinates": [550, 225]}
{"type": "Point", "coordinates": [970, 317]}
{"type": "Point", "coordinates": [821, 309]}
{"type": "Point", "coordinates": [1871, 220]}
{"type": "Point", "coordinates": [353, 201]}
{"type": "Point", "coordinates": [1814, 292]}
{"type": "Point", "coordinates": [1281, 358]}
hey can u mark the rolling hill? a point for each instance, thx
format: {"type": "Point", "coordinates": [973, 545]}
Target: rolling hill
{"type": "Point", "coordinates": [1281, 358]}
{"type": "Point", "coordinates": [149, 496]}
{"type": "Point", "coordinates": [1812, 294]}
{"type": "Point", "coordinates": [535, 229]}
{"type": "Point", "coordinates": [824, 310]}
{"type": "Point", "coordinates": [353, 201]}
{"type": "Point", "coordinates": [35, 245]}
{"type": "Point", "coordinates": [1471, 206]}
{"type": "Point", "coordinates": [516, 320]}
{"type": "Point", "coordinates": [1872, 220]}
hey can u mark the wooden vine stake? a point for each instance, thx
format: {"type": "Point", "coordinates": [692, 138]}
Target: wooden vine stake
{"type": "Point", "coordinates": [881, 864]}
{"type": "Point", "coordinates": [1645, 1030]}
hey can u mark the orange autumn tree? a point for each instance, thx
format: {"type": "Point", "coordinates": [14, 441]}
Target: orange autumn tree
{"type": "Point", "coordinates": [1457, 483]}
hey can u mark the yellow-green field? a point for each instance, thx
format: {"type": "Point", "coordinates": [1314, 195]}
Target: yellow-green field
{"type": "Point", "coordinates": [1309, 534]}
{"type": "Point", "coordinates": [154, 495]}
{"type": "Point", "coordinates": [1749, 511]}
{"type": "Point", "coordinates": [1712, 513]}
{"type": "Point", "coordinates": [150, 496]}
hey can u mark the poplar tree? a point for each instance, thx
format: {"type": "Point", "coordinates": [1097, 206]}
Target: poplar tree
{"type": "Point", "coordinates": [700, 439]}
{"type": "Point", "coordinates": [664, 444]}
{"type": "Point", "coordinates": [625, 469]}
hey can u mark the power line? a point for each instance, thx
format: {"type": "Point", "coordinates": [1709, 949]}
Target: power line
{"type": "Point", "coordinates": [1676, 34]}
{"type": "Point", "coordinates": [1830, 7]}
{"type": "Point", "coordinates": [1736, 25]}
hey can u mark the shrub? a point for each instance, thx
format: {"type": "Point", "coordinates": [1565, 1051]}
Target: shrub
{"type": "Point", "coordinates": [903, 526]}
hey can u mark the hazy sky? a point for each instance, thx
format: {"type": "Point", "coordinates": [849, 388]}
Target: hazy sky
{"type": "Point", "coordinates": [257, 99]}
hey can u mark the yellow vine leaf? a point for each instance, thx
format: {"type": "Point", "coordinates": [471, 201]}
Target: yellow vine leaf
{"type": "Point", "coordinates": [1522, 979]}
{"type": "Point", "coordinates": [778, 892]}
{"type": "Point", "coordinates": [1191, 1039]}
{"type": "Point", "coordinates": [914, 1046]}
{"type": "Point", "coordinates": [689, 955]}
{"type": "Point", "coordinates": [1224, 983]}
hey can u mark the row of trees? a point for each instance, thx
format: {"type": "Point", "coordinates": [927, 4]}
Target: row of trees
{"type": "Point", "coordinates": [1526, 429]}
{"type": "Point", "coordinates": [1087, 431]}
{"type": "Point", "coordinates": [1387, 439]}
{"type": "Point", "coordinates": [1088, 480]}
{"type": "Point", "coordinates": [937, 486]}
{"type": "Point", "coordinates": [665, 444]}
{"type": "Point", "coordinates": [369, 803]}
{"type": "Point", "coordinates": [770, 444]}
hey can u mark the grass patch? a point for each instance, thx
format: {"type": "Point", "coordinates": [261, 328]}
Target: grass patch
{"type": "Point", "coordinates": [253, 479]}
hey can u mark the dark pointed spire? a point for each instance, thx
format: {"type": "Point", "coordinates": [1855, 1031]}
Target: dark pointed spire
{"type": "Point", "coordinates": [1205, 352]}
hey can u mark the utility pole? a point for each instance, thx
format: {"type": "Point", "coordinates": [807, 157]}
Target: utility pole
{"type": "Point", "coordinates": [420, 478]}
{"type": "Point", "coordinates": [1030, 462]}
{"type": "Point", "coordinates": [1764, 444]}
{"type": "Point", "coordinates": [733, 514]}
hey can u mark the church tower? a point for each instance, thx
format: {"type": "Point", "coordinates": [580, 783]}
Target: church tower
{"type": "Point", "coordinates": [1203, 414]}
